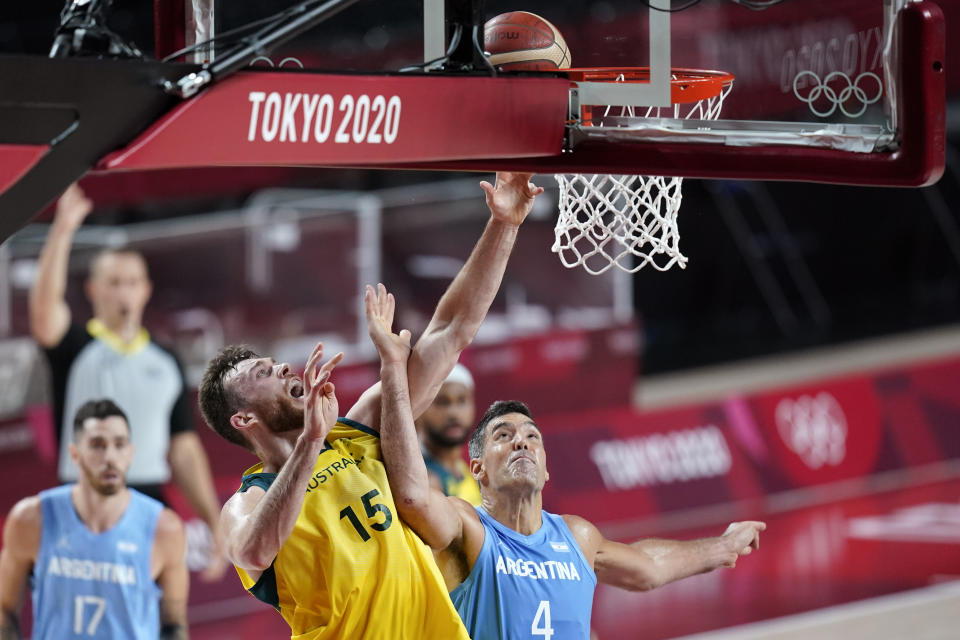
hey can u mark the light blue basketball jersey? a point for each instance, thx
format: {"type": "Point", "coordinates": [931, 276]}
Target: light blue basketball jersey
{"type": "Point", "coordinates": [536, 586]}
{"type": "Point", "coordinates": [95, 585]}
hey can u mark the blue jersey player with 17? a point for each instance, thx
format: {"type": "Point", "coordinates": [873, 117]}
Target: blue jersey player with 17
{"type": "Point", "coordinates": [104, 561]}
{"type": "Point", "coordinates": [514, 570]}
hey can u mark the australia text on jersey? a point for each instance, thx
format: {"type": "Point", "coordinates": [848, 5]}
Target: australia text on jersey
{"type": "Point", "coordinates": [322, 475]}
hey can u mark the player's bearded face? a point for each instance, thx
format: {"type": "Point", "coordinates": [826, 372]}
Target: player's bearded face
{"type": "Point", "coordinates": [103, 453]}
{"type": "Point", "coordinates": [447, 422]}
{"type": "Point", "coordinates": [106, 480]}
{"type": "Point", "coordinates": [283, 416]}
{"type": "Point", "coordinates": [272, 392]}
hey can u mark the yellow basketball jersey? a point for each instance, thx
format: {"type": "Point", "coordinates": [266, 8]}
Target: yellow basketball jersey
{"type": "Point", "coordinates": [461, 484]}
{"type": "Point", "coordinates": [465, 487]}
{"type": "Point", "coordinates": [351, 568]}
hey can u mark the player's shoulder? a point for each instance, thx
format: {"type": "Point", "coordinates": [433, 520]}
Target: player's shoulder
{"type": "Point", "coordinates": [24, 526]}
{"type": "Point", "coordinates": [584, 532]}
{"type": "Point", "coordinates": [352, 429]}
{"type": "Point", "coordinates": [27, 510]}
{"type": "Point", "coordinates": [252, 489]}
{"type": "Point", "coordinates": [469, 541]}
{"type": "Point", "coordinates": [169, 538]}
{"type": "Point", "coordinates": [169, 523]}
{"type": "Point", "coordinates": [466, 510]}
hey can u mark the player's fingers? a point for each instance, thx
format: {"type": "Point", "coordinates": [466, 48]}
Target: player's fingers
{"type": "Point", "coordinates": [405, 336]}
{"type": "Point", "coordinates": [331, 364]}
{"type": "Point", "coordinates": [391, 308]}
{"type": "Point", "coordinates": [380, 304]}
{"type": "Point", "coordinates": [487, 188]}
{"type": "Point", "coordinates": [314, 391]}
{"type": "Point", "coordinates": [369, 299]}
{"type": "Point", "coordinates": [309, 372]}
{"type": "Point", "coordinates": [322, 377]}
{"type": "Point", "coordinates": [381, 297]}
{"type": "Point", "coordinates": [328, 390]}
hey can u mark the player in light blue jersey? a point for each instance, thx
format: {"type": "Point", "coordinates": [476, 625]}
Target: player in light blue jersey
{"type": "Point", "coordinates": [514, 570]}
{"type": "Point", "coordinates": [104, 561]}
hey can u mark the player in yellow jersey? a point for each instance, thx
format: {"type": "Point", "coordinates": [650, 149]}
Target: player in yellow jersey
{"type": "Point", "coordinates": [444, 428]}
{"type": "Point", "coordinates": [313, 528]}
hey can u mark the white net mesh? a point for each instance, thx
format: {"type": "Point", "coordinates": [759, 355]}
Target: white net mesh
{"type": "Point", "coordinates": [626, 221]}
{"type": "Point", "coordinates": [623, 221]}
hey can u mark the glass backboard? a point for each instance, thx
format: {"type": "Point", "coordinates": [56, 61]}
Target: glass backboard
{"type": "Point", "coordinates": [821, 74]}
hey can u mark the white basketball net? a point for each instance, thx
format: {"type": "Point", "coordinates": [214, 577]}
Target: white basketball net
{"type": "Point", "coordinates": [624, 220]}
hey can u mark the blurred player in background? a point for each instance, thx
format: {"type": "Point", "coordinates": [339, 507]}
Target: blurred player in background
{"type": "Point", "coordinates": [102, 560]}
{"type": "Point", "coordinates": [513, 569]}
{"type": "Point", "coordinates": [312, 529]}
{"type": "Point", "coordinates": [113, 356]}
{"type": "Point", "coordinates": [444, 428]}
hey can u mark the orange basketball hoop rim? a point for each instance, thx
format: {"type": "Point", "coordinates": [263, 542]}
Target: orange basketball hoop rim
{"type": "Point", "coordinates": [629, 221]}
{"type": "Point", "coordinates": [686, 85]}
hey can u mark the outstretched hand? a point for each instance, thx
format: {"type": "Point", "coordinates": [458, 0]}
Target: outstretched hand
{"type": "Point", "coordinates": [380, 307]}
{"type": "Point", "coordinates": [320, 407]}
{"type": "Point", "coordinates": [741, 539]}
{"type": "Point", "coordinates": [511, 199]}
{"type": "Point", "coordinates": [73, 207]}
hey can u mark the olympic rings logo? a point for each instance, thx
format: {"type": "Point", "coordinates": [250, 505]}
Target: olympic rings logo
{"type": "Point", "coordinates": [283, 63]}
{"type": "Point", "coordinates": [852, 93]}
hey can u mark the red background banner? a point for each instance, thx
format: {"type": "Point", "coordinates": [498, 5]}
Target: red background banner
{"type": "Point", "coordinates": [619, 464]}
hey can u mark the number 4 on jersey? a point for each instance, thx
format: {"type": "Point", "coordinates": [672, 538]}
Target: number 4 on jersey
{"type": "Point", "coordinates": [542, 617]}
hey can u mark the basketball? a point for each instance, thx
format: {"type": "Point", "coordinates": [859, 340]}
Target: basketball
{"type": "Point", "coordinates": [524, 41]}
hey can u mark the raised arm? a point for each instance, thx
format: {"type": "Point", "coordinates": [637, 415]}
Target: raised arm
{"type": "Point", "coordinates": [256, 523]}
{"type": "Point", "coordinates": [465, 303]}
{"type": "Point", "coordinates": [647, 564]}
{"type": "Point", "coordinates": [172, 577]}
{"type": "Point", "coordinates": [21, 540]}
{"type": "Point", "coordinates": [49, 313]}
{"type": "Point", "coordinates": [427, 511]}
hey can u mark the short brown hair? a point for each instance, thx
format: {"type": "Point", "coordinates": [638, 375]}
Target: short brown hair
{"type": "Point", "coordinates": [217, 404]}
{"type": "Point", "coordinates": [98, 409]}
{"type": "Point", "coordinates": [497, 409]}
